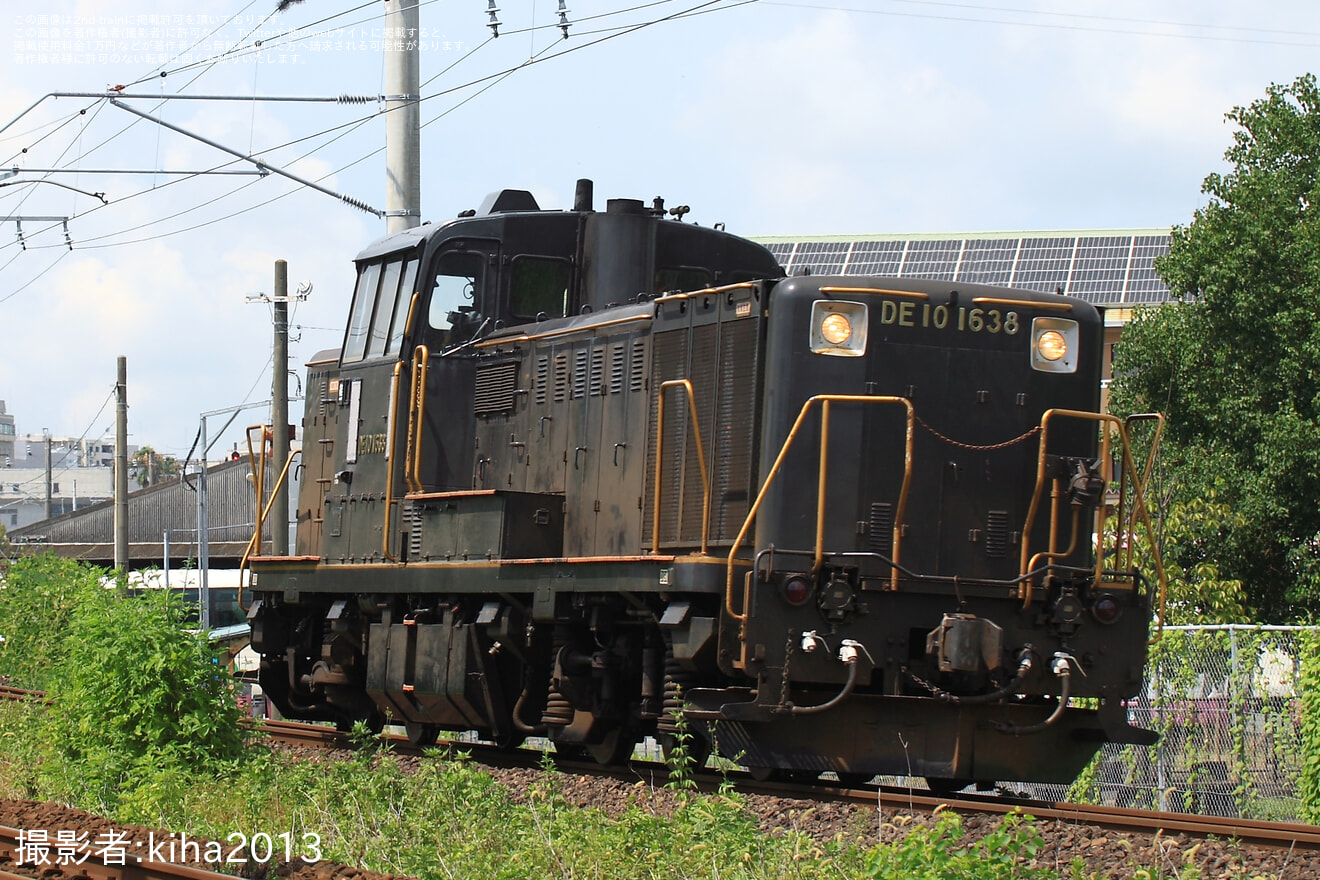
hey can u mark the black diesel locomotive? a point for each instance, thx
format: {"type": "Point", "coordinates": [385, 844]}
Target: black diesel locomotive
{"type": "Point", "coordinates": [594, 476]}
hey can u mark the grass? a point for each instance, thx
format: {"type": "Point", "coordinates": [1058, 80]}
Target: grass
{"type": "Point", "coordinates": [442, 817]}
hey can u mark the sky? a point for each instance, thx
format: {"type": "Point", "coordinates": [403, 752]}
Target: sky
{"type": "Point", "coordinates": [776, 118]}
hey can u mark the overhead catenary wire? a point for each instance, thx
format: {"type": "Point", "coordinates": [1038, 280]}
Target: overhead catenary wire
{"type": "Point", "coordinates": [610, 33]}
{"type": "Point", "coordinates": [1070, 27]}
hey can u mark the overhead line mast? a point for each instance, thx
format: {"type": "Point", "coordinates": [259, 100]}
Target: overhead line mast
{"type": "Point", "coordinates": [403, 132]}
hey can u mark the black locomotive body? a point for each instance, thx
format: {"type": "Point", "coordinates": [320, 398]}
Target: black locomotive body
{"type": "Point", "coordinates": [594, 476]}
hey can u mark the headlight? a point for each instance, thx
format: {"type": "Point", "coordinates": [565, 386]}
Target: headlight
{"type": "Point", "coordinates": [838, 328]}
{"type": "Point", "coordinates": [1054, 344]}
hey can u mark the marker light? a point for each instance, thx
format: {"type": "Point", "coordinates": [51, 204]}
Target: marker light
{"type": "Point", "coordinates": [838, 328]}
{"type": "Point", "coordinates": [797, 590]}
{"type": "Point", "coordinates": [835, 328]}
{"type": "Point", "coordinates": [1106, 608]}
{"type": "Point", "coordinates": [1052, 345]}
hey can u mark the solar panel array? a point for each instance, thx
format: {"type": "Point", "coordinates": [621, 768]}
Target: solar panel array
{"type": "Point", "coordinates": [1106, 268]}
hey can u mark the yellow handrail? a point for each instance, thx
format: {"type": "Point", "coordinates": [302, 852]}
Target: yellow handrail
{"type": "Point", "coordinates": [1126, 523]}
{"type": "Point", "coordinates": [659, 458]}
{"type": "Point", "coordinates": [412, 459]}
{"type": "Point", "coordinates": [391, 429]}
{"type": "Point", "coordinates": [257, 461]}
{"type": "Point", "coordinates": [825, 400]}
{"type": "Point", "coordinates": [1025, 587]}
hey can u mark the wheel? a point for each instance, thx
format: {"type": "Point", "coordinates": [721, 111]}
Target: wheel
{"type": "Point", "coordinates": [776, 774]}
{"type": "Point", "coordinates": [696, 749]}
{"type": "Point", "coordinates": [508, 740]}
{"type": "Point", "coordinates": [375, 723]}
{"type": "Point", "coordinates": [571, 751]}
{"type": "Point", "coordinates": [615, 748]}
{"type": "Point", "coordinates": [420, 734]}
{"type": "Point", "coordinates": [943, 787]}
{"type": "Point", "coordinates": [855, 780]}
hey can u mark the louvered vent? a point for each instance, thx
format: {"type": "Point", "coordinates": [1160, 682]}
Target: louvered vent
{"type": "Point", "coordinates": [580, 358]}
{"type": "Point", "coordinates": [880, 530]}
{"type": "Point", "coordinates": [637, 366]}
{"type": "Point", "coordinates": [495, 387]}
{"type": "Point", "coordinates": [561, 378]}
{"type": "Point", "coordinates": [542, 379]}
{"type": "Point", "coordinates": [617, 367]}
{"type": "Point", "coordinates": [411, 516]}
{"type": "Point", "coordinates": [597, 371]}
{"type": "Point", "coordinates": [996, 534]}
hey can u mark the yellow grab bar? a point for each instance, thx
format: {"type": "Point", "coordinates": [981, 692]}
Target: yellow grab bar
{"type": "Point", "coordinates": [412, 459]}
{"type": "Point", "coordinates": [824, 400]}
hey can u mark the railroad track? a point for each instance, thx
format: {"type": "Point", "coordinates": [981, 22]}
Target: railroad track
{"type": "Point", "coordinates": [87, 859]}
{"type": "Point", "coordinates": [13, 693]}
{"type": "Point", "coordinates": [1272, 834]}
{"type": "Point", "coordinates": [1259, 833]}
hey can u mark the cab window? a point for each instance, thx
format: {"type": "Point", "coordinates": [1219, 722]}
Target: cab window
{"type": "Point", "coordinates": [681, 279]}
{"type": "Point", "coordinates": [401, 306]}
{"type": "Point", "coordinates": [456, 296]}
{"type": "Point", "coordinates": [359, 324]}
{"type": "Point", "coordinates": [385, 299]}
{"type": "Point", "coordinates": [539, 287]}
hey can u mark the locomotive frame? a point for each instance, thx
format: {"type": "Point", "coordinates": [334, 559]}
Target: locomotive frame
{"type": "Point", "coordinates": [596, 476]}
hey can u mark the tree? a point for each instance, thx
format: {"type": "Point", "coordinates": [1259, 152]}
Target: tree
{"type": "Point", "coordinates": [151, 466]}
{"type": "Point", "coordinates": [1234, 361]}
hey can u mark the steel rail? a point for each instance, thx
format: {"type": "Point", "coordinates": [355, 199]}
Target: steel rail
{"type": "Point", "coordinates": [1278, 835]}
{"type": "Point", "coordinates": [94, 867]}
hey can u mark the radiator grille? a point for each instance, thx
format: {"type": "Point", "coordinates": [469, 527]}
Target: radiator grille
{"type": "Point", "coordinates": [496, 385]}
{"type": "Point", "coordinates": [720, 361]}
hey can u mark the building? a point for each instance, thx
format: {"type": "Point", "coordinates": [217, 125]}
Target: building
{"type": "Point", "coordinates": [23, 492]}
{"type": "Point", "coordinates": [76, 452]}
{"type": "Point", "coordinates": [6, 437]}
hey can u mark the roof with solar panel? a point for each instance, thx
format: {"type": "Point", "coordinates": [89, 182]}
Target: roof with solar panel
{"type": "Point", "coordinates": [1112, 268]}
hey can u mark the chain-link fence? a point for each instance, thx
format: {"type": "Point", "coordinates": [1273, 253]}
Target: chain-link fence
{"type": "Point", "coordinates": [1224, 701]}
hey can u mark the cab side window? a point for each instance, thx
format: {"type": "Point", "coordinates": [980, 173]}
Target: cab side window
{"type": "Point", "coordinates": [539, 287]}
{"type": "Point", "coordinates": [681, 279]}
{"type": "Point", "coordinates": [454, 312]}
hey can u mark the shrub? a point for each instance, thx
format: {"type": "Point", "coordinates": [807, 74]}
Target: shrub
{"type": "Point", "coordinates": [38, 597]}
{"type": "Point", "coordinates": [134, 695]}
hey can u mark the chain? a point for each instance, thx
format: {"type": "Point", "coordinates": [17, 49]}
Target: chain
{"type": "Point", "coordinates": [916, 679]}
{"type": "Point", "coordinates": [1027, 436]}
{"type": "Point", "coordinates": [783, 682]}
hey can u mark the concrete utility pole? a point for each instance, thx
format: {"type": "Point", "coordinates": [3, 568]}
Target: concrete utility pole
{"type": "Point", "coordinates": [49, 479]}
{"type": "Point", "coordinates": [403, 130]}
{"type": "Point", "coordinates": [121, 466]}
{"type": "Point", "coordinates": [279, 412]}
